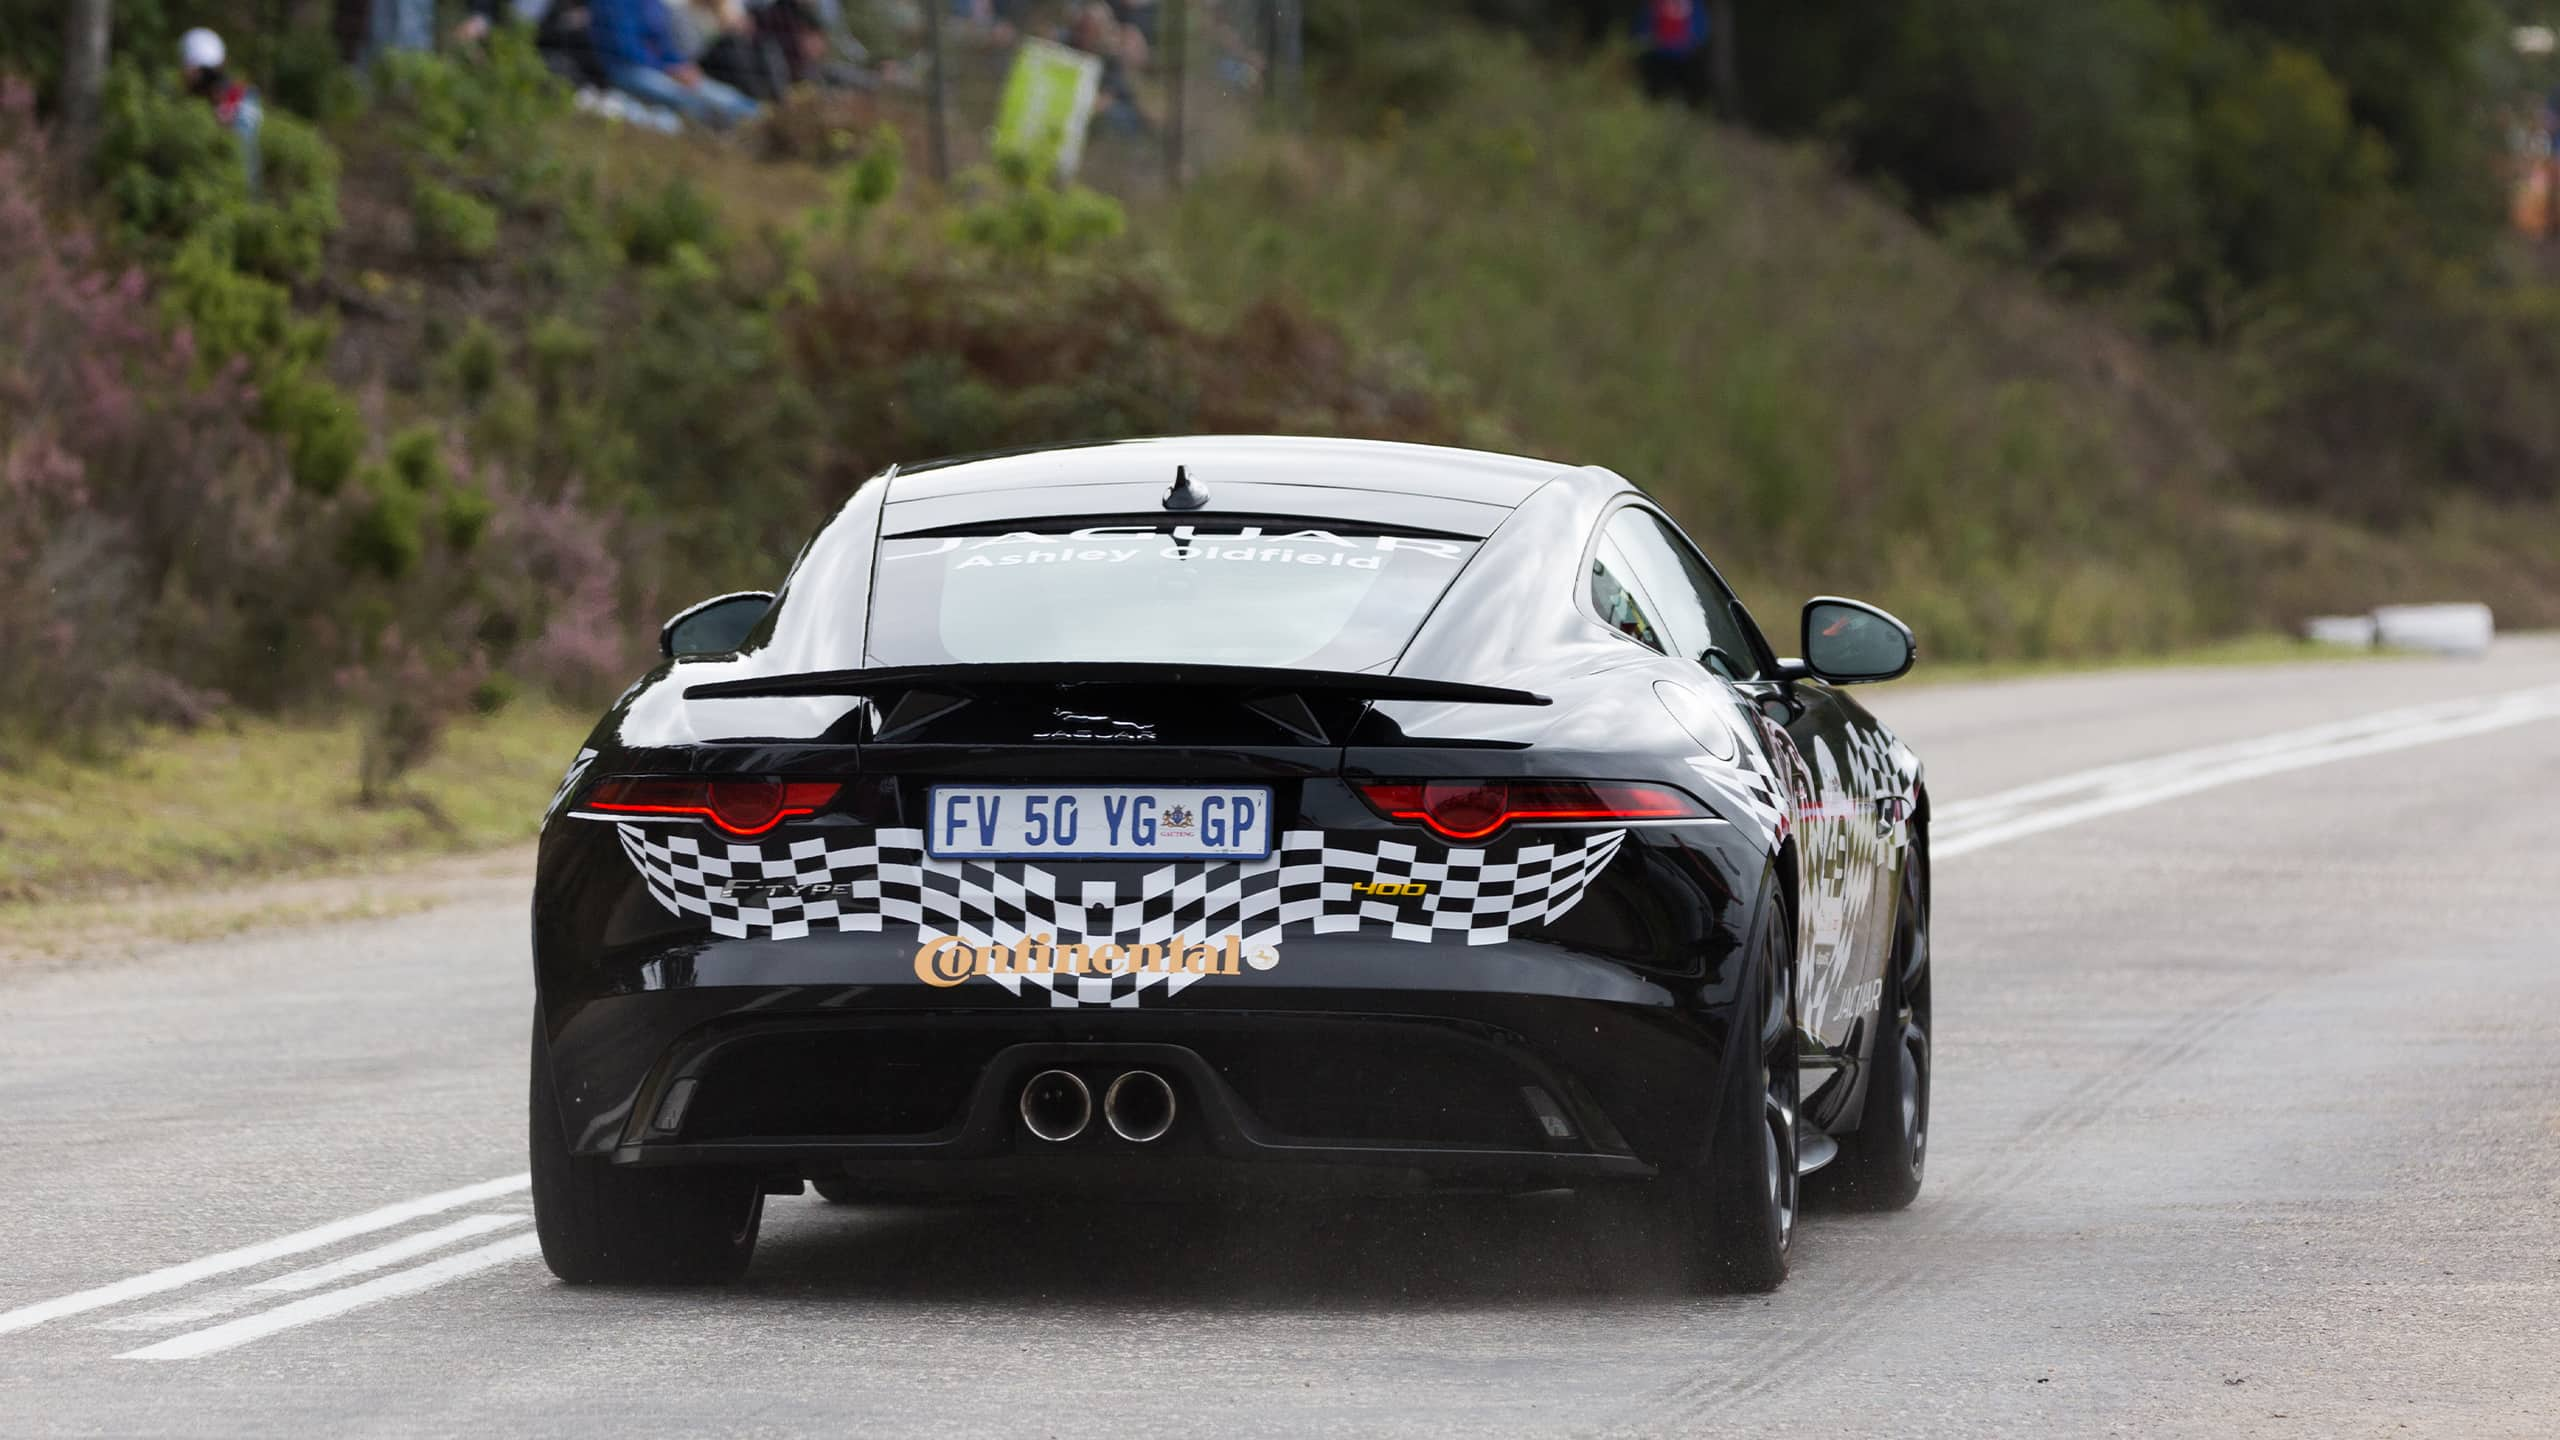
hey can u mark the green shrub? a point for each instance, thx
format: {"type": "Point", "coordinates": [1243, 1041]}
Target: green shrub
{"type": "Point", "coordinates": [651, 228]}
{"type": "Point", "coordinates": [386, 533]}
{"type": "Point", "coordinates": [474, 362]}
{"type": "Point", "coordinates": [450, 225]}
{"type": "Point", "coordinates": [479, 118]}
{"type": "Point", "coordinates": [306, 77]}
{"type": "Point", "coordinates": [1017, 214]}
{"type": "Point", "coordinates": [416, 459]}
{"type": "Point", "coordinates": [866, 183]}
{"type": "Point", "coordinates": [232, 313]}
{"type": "Point", "coordinates": [167, 167]}
{"type": "Point", "coordinates": [175, 182]}
{"type": "Point", "coordinates": [323, 434]}
{"type": "Point", "coordinates": [464, 518]}
{"type": "Point", "coordinates": [173, 175]}
{"type": "Point", "coordinates": [560, 349]}
{"type": "Point", "coordinates": [297, 203]}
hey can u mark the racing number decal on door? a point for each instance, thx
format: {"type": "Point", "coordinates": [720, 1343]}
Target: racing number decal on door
{"type": "Point", "coordinates": [1854, 838]}
{"type": "Point", "coordinates": [1829, 795]}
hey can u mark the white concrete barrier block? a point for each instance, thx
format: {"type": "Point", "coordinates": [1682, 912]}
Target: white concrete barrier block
{"type": "Point", "coordinates": [2438, 629]}
{"type": "Point", "coordinates": [2352, 632]}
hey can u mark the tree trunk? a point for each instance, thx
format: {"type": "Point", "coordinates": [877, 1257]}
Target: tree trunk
{"type": "Point", "coordinates": [1727, 59]}
{"type": "Point", "coordinates": [84, 68]}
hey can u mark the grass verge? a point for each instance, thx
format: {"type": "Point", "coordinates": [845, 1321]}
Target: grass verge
{"type": "Point", "coordinates": [2257, 649]}
{"type": "Point", "coordinates": [260, 798]}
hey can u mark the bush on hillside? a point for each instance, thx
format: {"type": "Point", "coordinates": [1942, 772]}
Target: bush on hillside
{"type": "Point", "coordinates": [141, 517]}
{"type": "Point", "coordinates": [173, 174]}
{"type": "Point", "coordinates": [1014, 214]}
{"type": "Point", "coordinates": [1804, 378]}
{"type": "Point", "coordinates": [454, 582]}
{"type": "Point", "coordinates": [450, 225]}
{"type": "Point", "coordinates": [176, 185]}
{"type": "Point", "coordinates": [2206, 154]}
{"type": "Point", "coordinates": [2405, 383]}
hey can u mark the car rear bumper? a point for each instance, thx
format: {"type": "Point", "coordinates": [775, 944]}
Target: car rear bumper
{"type": "Point", "coordinates": [1611, 1077]}
{"type": "Point", "coordinates": [1216, 1139]}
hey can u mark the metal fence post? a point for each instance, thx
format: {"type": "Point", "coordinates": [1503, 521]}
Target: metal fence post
{"type": "Point", "coordinates": [937, 114]}
{"type": "Point", "coordinates": [1288, 57]}
{"type": "Point", "coordinates": [1177, 51]}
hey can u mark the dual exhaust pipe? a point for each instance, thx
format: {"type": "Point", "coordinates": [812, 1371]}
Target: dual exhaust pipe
{"type": "Point", "coordinates": [1057, 1106]}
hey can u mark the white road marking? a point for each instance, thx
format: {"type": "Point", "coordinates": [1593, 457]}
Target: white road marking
{"type": "Point", "coordinates": [407, 1247]}
{"type": "Point", "coordinates": [171, 1278]}
{"type": "Point", "coordinates": [190, 1313]}
{"type": "Point", "coordinates": [1972, 825]}
{"type": "Point", "coordinates": [330, 1304]}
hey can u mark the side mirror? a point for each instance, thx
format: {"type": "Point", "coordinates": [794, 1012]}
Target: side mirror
{"type": "Point", "coordinates": [1849, 642]}
{"type": "Point", "coordinates": [717, 626]}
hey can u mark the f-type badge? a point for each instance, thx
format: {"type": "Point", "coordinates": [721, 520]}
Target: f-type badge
{"type": "Point", "coordinates": [1072, 726]}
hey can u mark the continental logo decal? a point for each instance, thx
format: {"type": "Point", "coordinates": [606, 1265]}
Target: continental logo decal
{"type": "Point", "coordinates": [943, 961]}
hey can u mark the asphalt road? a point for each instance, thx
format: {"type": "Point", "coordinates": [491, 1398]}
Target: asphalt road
{"type": "Point", "coordinates": [2248, 1122]}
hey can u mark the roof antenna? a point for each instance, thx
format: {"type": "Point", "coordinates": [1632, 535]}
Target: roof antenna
{"type": "Point", "coordinates": [1184, 495]}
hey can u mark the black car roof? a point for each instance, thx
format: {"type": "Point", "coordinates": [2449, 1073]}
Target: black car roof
{"type": "Point", "coordinates": [1468, 491]}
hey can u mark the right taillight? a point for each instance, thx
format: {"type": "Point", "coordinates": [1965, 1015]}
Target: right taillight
{"type": "Point", "coordinates": [740, 807]}
{"type": "Point", "coordinates": [1477, 809]}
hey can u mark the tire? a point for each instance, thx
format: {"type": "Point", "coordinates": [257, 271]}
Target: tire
{"type": "Point", "coordinates": [1883, 1161]}
{"type": "Point", "coordinates": [838, 1191]}
{"type": "Point", "coordinates": [604, 1224]}
{"type": "Point", "coordinates": [1731, 1214]}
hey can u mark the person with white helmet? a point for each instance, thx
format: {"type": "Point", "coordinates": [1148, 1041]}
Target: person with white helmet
{"type": "Point", "coordinates": [235, 103]}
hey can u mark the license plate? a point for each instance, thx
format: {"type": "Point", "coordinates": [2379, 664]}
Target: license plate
{"type": "Point", "coordinates": [1100, 822]}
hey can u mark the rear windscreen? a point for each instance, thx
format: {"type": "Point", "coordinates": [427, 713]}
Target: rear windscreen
{"type": "Point", "coordinates": [1273, 595]}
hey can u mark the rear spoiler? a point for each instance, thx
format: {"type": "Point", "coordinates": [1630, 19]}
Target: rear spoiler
{"type": "Point", "coordinates": [975, 681]}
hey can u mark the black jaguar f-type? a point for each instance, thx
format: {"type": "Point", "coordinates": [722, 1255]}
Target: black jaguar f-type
{"type": "Point", "coordinates": [1190, 816]}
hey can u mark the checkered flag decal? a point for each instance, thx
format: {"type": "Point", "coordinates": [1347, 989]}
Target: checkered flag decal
{"type": "Point", "coordinates": [787, 889]}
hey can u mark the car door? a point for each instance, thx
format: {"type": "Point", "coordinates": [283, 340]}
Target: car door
{"type": "Point", "coordinates": [1842, 866]}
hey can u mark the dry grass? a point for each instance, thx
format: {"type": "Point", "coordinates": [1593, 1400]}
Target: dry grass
{"type": "Point", "coordinates": [262, 798]}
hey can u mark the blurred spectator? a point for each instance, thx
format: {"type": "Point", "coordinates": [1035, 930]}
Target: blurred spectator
{"type": "Point", "coordinates": [1140, 16]}
{"type": "Point", "coordinates": [487, 15]}
{"type": "Point", "coordinates": [400, 25]}
{"type": "Point", "coordinates": [566, 37]}
{"type": "Point", "coordinates": [1001, 18]}
{"type": "Point", "coordinates": [234, 102]}
{"type": "Point", "coordinates": [1675, 36]}
{"type": "Point", "coordinates": [1093, 28]}
{"type": "Point", "coordinates": [638, 45]}
{"type": "Point", "coordinates": [719, 38]}
{"type": "Point", "coordinates": [796, 40]}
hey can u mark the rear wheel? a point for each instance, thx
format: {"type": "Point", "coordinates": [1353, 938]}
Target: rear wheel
{"type": "Point", "coordinates": [1881, 1164]}
{"type": "Point", "coordinates": [604, 1224]}
{"type": "Point", "coordinates": [1733, 1213]}
{"type": "Point", "coordinates": [1747, 1200]}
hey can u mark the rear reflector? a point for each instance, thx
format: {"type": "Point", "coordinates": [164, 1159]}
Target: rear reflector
{"type": "Point", "coordinates": [740, 807]}
{"type": "Point", "coordinates": [1475, 809]}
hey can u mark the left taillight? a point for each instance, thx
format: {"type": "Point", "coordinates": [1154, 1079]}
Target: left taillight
{"type": "Point", "coordinates": [1476, 809]}
{"type": "Point", "coordinates": [739, 807]}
